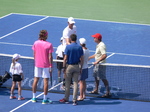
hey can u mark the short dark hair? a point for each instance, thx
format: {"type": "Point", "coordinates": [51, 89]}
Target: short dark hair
{"type": "Point", "coordinates": [73, 37]}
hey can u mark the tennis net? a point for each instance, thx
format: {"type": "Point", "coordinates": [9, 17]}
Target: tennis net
{"type": "Point", "coordinates": [130, 82]}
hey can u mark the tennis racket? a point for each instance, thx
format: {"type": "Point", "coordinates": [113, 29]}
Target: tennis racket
{"type": "Point", "coordinates": [51, 78]}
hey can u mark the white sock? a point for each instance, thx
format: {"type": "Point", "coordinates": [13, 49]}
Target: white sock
{"type": "Point", "coordinates": [45, 97]}
{"type": "Point", "coordinates": [34, 95]}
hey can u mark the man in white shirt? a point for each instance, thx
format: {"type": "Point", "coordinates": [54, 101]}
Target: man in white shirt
{"type": "Point", "coordinates": [69, 30]}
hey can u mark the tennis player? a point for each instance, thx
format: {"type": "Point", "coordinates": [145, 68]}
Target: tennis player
{"type": "Point", "coordinates": [43, 64]}
{"type": "Point", "coordinates": [17, 74]}
{"type": "Point", "coordinates": [69, 30]}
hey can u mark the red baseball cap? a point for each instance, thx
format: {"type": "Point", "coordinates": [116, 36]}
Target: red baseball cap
{"type": "Point", "coordinates": [97, 35]}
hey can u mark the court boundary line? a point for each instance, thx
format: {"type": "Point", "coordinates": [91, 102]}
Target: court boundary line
{"type": "Point", "coordinates": [19, 44]}
{"type": "Point", "coordinates": [36, 97]}
{"type": "Point", "coordinates": [110, 55]}
{"type": "Point", "coordinates": [5, 15]}
{"type": "Point", "coordinates": [106, 58]}
{"type": "Point", "coordinates": [85, 19]}
{"type": "Point", "coordinates": [89, 50]}
{"type": "Point", "coordinates": [27, 57]}
{"type": "Point", "coordinates": [15, 44]}
{"type": "Point", "coordinates": [24, 27]}
{"type": "Point", "coordinates": [126, 54]}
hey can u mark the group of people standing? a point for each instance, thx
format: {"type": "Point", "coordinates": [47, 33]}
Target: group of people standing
{"type": "Point", "coordinates": [75, 64]}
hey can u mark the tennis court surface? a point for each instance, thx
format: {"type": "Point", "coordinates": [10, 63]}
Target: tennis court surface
{"type": "Point", "coordinates": [90, 104]}
{"type": "Point", "coordinates": [127, 63]}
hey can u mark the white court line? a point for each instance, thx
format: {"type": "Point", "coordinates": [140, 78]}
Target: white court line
{"type": "Point", "coordinates": [24, 27]}
{"type": "Point", "coordinates": [89, 50]}
{"type": "Point", "coordinates": [110, 55]}
{"type": "Point", "coordinates": [36, 97]}
{"type": "Point", "coordinates": [19, 44]}
{"type": "Point", "coordinates": [15, 44]}
{"type": "Point", "coordinates": [5, 16]}
{"type": "Point", "coordinates": [132, 54]}
{"type": "Point", "coordinates": [86, 19]}
{"type": "Point", "coordinates": [106, 58]}
{"type": "Point", "coordinates": [126, 54]}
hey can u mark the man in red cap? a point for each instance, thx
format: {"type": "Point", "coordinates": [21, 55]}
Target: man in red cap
{"type": "Point", "coordinates": [99, 70]}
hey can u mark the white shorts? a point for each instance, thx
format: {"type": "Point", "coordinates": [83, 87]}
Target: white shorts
{"type": "Point", "coordinates": [41, 72]}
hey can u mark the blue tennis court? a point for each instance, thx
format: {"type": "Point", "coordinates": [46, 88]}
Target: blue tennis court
{"type": "Point", "coordinates": [90, 104]}
{"type": "Point", "coordinates": [126, 44]}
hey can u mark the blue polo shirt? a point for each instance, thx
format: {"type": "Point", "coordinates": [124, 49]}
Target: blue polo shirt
{"type": "Point", "coordinates": [74, 53]}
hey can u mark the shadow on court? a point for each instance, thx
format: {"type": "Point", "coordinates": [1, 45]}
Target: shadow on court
{"type": "Point", "coordinates": [4, 91]}
{"type": "Point", "coordinates": [100, 101]}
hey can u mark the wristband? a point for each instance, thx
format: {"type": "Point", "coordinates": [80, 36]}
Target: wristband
{"type": "Point", "coordinates": [50, 66]}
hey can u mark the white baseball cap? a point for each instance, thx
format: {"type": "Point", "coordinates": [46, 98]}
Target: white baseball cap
{"type": "Point", "coordinates": [82, 41]}
{"type": "Point", "coordinates": [16, 56]}
{"type": "Point", "coordinates": [61, 38]}
{"type": "Point", "coordinates": [71, 20]}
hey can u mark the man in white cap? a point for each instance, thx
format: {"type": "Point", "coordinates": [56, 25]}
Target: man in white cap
{"type": "Point", "coordinates": [70, 29]}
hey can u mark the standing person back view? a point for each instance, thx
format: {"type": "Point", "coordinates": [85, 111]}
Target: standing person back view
{"type": "Point", "coordinates": [42, 51]}
{"type": "Point", "coordinates": [73, 61]}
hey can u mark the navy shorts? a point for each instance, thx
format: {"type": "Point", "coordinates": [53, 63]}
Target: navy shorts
{"type": "Point", "coordinates": [16, 78]}
{"type": "Point", "coordinates": [84, 74]}
{"type": "Point", "coordinates": [60, 64]}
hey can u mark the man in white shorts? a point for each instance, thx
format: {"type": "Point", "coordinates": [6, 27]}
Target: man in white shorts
{"type": "Point", "coordinates": [43, 64]}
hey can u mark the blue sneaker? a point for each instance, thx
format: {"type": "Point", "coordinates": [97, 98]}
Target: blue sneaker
{"type": "Point", "coordinates": [47, 101]}
{"type": "Point", "coordinates": [34, 100]}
